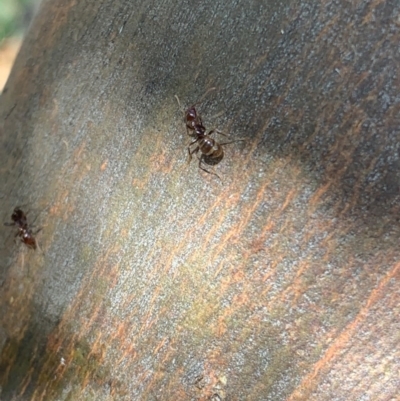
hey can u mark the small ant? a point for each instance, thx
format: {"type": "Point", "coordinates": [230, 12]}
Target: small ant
{"type": "Point", "coordinates": [211, 151]}
{"type": "Point", "coordinates": [24, 232]}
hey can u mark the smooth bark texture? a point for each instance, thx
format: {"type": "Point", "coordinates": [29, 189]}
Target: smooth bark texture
{"type": "Point", "coordinates": [158, 281]}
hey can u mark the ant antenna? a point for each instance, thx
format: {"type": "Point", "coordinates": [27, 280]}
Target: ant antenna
{"type": "Point", "coordinates": [200, 100]}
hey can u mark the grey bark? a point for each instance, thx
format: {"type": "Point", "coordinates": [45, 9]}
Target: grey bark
{"type": "Point", "coordinates": [157, 281]}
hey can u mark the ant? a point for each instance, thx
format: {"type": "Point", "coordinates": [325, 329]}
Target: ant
{"type": "Point", "coordinates": [24, 232]}
{"type": "Point", "coordinates": [211, 150]}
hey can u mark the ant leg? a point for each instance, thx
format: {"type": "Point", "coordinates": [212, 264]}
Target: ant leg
{"type": "Point", "coordinates": [44, 210]}
{"type": "Point", "coordinates": [237, 140]}
{"type": "Point", "coordinates": [15, 237]}
{"type": "Point", "coordinates": [38, 247]}
{"type": "Point", "coordinates": [179, 103]}
{"type": "Point", "coordinates": [189, 133]}
{"type": "Point", "coordinates": [32, 224]}
{"type": "Point", "coordinates": [10, 224]}
{"type": "Point", "coordinates": [195, 150]}
{"type": "Point", "coordinates": [218, 132]}
{"type": "Point", "coordinates": [36, 241]}
{"type": "Point", "coordinates": [40, 229]}
{"type": "Point", "coordinates": [209, 172]}
{"type": "Point", "coordinates": [190, 144]}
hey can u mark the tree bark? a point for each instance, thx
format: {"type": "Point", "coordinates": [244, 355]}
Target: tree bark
{"type": "Point", "coordinates": [157, 281]}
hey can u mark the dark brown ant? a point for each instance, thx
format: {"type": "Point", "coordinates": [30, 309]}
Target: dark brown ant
{"type": "Point", "coordinates": [24, 232]}
{"type": "Point", "coordinates": [211, 151]}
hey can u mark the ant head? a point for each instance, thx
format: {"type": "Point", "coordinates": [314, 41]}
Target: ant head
{"type": "Point", "coordinates": [191, 116]}
{"type": "Point", "coordinates": [17, 215]}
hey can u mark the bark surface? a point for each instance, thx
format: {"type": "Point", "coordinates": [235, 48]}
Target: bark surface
{"type": "Point", "coordinates": [158, 281]}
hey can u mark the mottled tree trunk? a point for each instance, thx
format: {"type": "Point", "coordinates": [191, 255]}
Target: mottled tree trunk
{"type": "Point", "coordinates": [158, 281]}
